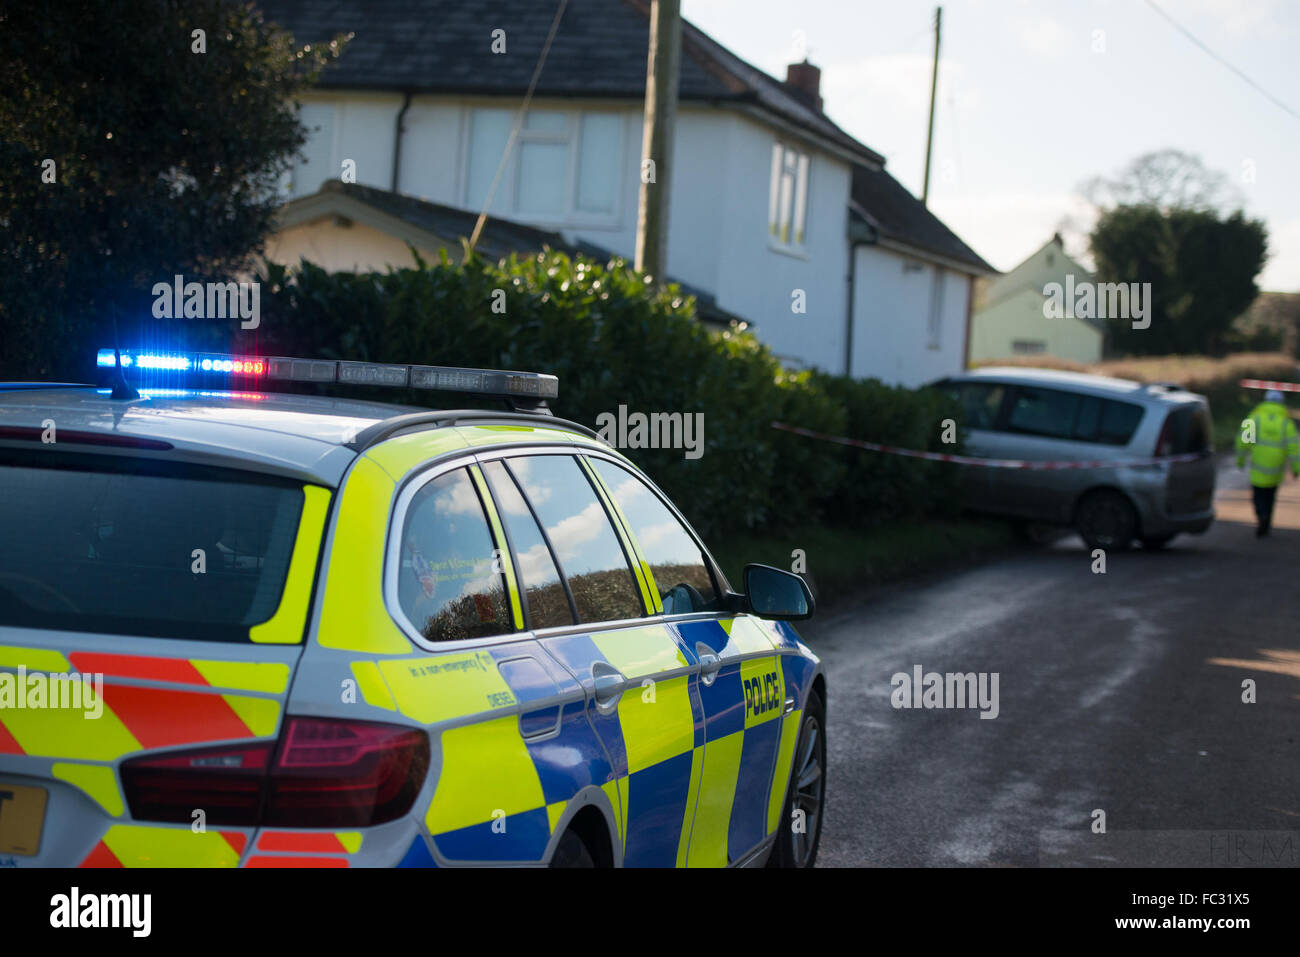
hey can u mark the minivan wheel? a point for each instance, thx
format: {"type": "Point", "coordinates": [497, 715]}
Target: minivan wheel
{"type": "Point", "coordinates": [797, 847]}
{"type": "Point", "coordinates": [1106, 519]}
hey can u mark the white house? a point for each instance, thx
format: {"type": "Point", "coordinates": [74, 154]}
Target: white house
{"type": "Point", "coordinates": [1010, 320]}
{"type": "Point", "coordinates": [773, 208]}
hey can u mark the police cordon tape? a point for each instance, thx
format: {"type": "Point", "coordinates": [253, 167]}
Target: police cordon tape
{"type": "Point", "coordinates": [1265, 384]}
{"type": "Point", "coordinates": [987, 463]}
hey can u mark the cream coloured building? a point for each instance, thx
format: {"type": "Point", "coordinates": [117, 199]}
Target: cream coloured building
{"type": "Point", "coordinates": [1009, 320]}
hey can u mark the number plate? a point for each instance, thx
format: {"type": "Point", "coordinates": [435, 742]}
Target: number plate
{"type": "Point", "coordinates": [22, 811]}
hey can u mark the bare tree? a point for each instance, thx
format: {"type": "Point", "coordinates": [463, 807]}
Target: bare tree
{"type": "Point", "coordinates": [1167, 179]}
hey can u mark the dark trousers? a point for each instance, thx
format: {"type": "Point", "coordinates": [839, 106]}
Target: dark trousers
{"type": "Point", "coordinates": [1264, 498]}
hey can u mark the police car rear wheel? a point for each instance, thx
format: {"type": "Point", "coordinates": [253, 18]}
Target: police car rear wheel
{"type": "Point", "coordinates": [799, 834]}
{"type": "Point", "coordinates": [572, 852]}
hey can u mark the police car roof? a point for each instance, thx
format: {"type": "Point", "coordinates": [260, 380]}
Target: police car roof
{"type": "Point", "coordinates": [300, 436]}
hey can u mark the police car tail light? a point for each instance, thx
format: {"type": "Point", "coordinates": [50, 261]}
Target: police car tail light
{"type": "Point", "coordinates": [322, 773]}
{"type": "Point", "coordinates": [227, 783]}
{"type": "Point", "coordinates": [330, 773]}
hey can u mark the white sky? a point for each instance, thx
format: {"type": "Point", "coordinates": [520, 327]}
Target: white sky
{"type": "Point", "coordinates": [1027, 111]}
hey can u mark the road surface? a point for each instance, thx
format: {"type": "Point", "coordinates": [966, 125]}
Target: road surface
{"type": "Point", "coordinates": [1119, 692]}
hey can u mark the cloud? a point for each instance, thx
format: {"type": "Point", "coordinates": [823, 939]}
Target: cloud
{"type": "Point", "coordinates": [1237, 17]}
{"type": "Point", "coordinates": [1005, 226]}
{"type": "Point", "coordinates": [538, 492]}
{"type": "Point", "coordinates": [1282, 272]}
{"type": "Point", "coordinates": [897, 83]}
{"type": "Point", "coordinates": [1044, 37]}
{"type": "Point", "coordinates": [570, 534]}
{"type": "Point", "coordinates": [463, 500]}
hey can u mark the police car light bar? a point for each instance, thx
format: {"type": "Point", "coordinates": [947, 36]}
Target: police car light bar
{"type": "Point", "coordinates": [525, 385]}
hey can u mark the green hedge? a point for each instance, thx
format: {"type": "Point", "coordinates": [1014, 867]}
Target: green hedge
{"type": "Point", "coordinates": [615, 340]}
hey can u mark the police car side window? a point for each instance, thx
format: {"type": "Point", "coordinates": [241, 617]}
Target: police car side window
{"type": "Point", "coordinates": [544, 593]}
{"type": "Point", "coordinates": [681, 575]}
{"type": "Point", "coordinates": [448, 583]}
{"type": "Point", "coordinates": [587, 548]}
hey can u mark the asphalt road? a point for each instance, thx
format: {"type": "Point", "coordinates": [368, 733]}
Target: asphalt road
{"type": "Point", "coordinates": [1119, 692]}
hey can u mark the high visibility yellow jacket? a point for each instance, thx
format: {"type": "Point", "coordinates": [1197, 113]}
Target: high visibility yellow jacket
{"type": "Point", "coordinates": [1275, 444]}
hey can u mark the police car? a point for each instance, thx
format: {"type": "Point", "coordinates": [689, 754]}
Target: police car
{"type": "Point", "coordinates": [241, 628]}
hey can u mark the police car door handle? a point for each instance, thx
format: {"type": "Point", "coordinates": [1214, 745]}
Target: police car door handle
{"type": "Point", "coordinates": [709, 662]}
{"type": "Point", "coordinates": [609, 683]}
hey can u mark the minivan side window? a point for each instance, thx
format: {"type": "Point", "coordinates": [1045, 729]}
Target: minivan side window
{"type": "Point", "coordinates": [681, 575]}
{"type": "Point", "coordinates": [1107, 421]}
{"type": "Point", "coordinates": [587, 549]}
{"type": "Point", "coordinates": [446, 585]}
{"type": "Point", "coordinates": [1046, 412]}
{"type": "Point", "coordinates": [980, 403]}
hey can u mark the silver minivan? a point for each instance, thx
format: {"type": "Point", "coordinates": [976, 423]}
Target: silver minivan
{"type": "Point", "coordinates": [1045, 415]}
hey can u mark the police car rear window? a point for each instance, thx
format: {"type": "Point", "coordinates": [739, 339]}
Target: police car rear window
{"type": "Point", "coordinates": [137, 547]}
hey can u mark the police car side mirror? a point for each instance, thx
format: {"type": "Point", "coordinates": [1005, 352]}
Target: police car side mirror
{"type": "Point", "coordinates": [776, 594]}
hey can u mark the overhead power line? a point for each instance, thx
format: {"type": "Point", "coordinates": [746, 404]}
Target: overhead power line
{"type": "Point", "coordinates": [519, 119]}
{"type": "Point", "coordinates": [1220, 60]}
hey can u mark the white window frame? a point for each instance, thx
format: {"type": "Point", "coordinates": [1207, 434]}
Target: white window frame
{"type": "Point", "coordinates": [938, 281]}
{"type": "Point", "coordinates": [787, 198]}
{"type": "Point", "coordinates": [506, 200]}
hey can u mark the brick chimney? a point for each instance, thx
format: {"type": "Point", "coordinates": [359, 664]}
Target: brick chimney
{"type": "Point", "coordinates": [804, 81]}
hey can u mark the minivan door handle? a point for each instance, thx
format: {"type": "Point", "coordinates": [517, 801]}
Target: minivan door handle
{"type": "Point", "coordinates": [609, 683]}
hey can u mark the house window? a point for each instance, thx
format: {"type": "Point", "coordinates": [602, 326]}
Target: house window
{"type": "Point", "coordinates": [564, 167]}
{"type": "Point", "coordinates": [787, 204]}
{"type": "Point", "coordinates": [1028, 347]}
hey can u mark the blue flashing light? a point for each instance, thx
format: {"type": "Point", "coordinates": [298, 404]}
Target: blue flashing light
{"type": "Point", "coordinates": [159, 361]}
{"type": "Point", "coordinates": [505, 384]}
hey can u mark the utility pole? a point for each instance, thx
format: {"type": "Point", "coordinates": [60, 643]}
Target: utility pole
{"type": "Point", "coordinates": [934, 83]}
{"type": "Point", "coordinates": [657, 137]}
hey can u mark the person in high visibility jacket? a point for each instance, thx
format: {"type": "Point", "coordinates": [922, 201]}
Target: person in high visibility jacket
{"type": "Point", "coordinates": [1274, 448]}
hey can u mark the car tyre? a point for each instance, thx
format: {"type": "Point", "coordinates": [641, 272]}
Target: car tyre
{"type": "Point", "coordinates": [807, 791]}
{"type": "Point", "coordinates": [572, 852]}
{"type": "Point", "coordinates": [1106, 519]}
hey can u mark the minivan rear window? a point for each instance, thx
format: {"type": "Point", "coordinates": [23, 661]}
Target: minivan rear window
{"type": "Point", "coordinates": [1187, 430]}
{"type": "Point", "coordinates": [134, 546]}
